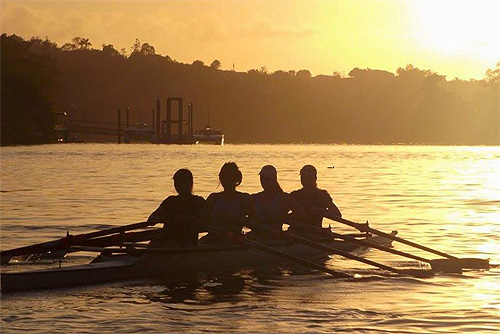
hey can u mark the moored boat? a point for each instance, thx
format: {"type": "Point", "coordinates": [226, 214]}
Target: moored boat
{"type": "Point", "coordinates": [144, 263]}
{"type": "Point", "coordinates": [209, 135]}
{"type": "Point", "coordinates": [140, 133]}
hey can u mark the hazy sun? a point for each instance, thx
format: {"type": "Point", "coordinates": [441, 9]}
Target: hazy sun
{"type": "Point", "coordinates": [459, 28]}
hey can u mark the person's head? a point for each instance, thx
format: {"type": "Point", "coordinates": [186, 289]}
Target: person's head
{"type": "Point", "coordinates": [269, 178]}
{"type": "Point", "coordinates": [308, 176]}
{"type": "Point", "coordinates": [183, 181]}
{"type": "Point", "coordinates": [230, 176]}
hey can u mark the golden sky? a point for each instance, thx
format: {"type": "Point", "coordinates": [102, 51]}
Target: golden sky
{"type": "Point", "coordinates": [454, 38]}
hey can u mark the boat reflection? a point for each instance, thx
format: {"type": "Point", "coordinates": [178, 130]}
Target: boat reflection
{"type": "Point", "coordinates": [225, 287]}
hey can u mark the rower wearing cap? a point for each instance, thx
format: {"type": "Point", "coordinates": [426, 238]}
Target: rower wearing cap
{"type": "Point", "coordinates": [177, 232]}
{"type": "Point", "coordinates": [273, 204]}
{"type": "Point", "coordinates": [315, 201]}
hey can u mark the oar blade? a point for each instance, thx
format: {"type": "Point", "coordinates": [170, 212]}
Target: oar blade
{"type": "Point", "coordinates": [456, 265]}
{"type": "Point", "coordinates": [446, 266]}
{"type": "Point", "coordinates": [475, 263]}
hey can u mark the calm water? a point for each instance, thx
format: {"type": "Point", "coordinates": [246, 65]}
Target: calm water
{"type": "Point", "coordinates": [443, 197]}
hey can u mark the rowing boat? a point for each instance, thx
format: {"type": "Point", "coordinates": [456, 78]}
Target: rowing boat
{"type": "Point", "coordinates": [123, 264]}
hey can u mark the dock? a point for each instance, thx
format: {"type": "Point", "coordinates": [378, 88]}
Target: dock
{"type": "Point", "coordinates": [174, 128]}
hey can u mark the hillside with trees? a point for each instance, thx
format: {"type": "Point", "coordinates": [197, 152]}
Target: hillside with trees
{"type": "Point", "coordinates": [369, 106]}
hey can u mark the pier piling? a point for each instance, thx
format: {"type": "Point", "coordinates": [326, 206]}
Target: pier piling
{"type": "Point", "coordinates": [119, 126]}
{"type": "Point", "coordinates": [158, 117]}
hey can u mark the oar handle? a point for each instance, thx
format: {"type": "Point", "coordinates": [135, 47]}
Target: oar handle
{"type": "Point", "coordinates": [366, 228]}
{"type": "Point", "coordinates": [265, 248]}
{"type": "Point", "coordinates": [380, 247]}
{"type": "Point", "coordinates": [297, 259]}
{"type": "Point", "coordinates": [361, 242]}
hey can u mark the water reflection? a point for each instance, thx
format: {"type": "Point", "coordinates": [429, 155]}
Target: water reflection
{"type": "Point", "coordinates": [443, 197]}
{"type": "Point", "coordinates": [225, 287]}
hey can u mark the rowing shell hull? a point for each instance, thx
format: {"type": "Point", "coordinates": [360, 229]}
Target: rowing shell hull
{"type": "Point", "coordinates": [167, 263]}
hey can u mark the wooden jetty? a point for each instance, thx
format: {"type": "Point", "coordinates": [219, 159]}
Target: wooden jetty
{"type": "Point", "coordinates": [170, 130]}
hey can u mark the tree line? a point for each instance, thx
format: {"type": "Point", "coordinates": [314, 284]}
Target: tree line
{"type": "Point", "coordinates": [367, 106]}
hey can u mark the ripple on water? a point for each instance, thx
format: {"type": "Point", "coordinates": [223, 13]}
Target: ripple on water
{"type": "Point", "coordinates": [425, 193]}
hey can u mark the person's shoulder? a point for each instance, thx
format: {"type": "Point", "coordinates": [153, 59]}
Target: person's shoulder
{"type": "Point", "coordinates": [257, 195]}
{"type": "Point", "coordinates": [170, 199]}
{"type": "Point", "coordinates": [214, 195]}
{"type": "Point", "coordinates": [198, 202]}
{"type": "Point", "coordinates": [243, 194]}
{"type": "Point", "coordinates": [169, 202]}
{"type": "Point", "coordinates": [324, 193]}
{"type": "Point", "coordinates": [297, 192]}
{"type": "Point", "coordinates": [198, 198]}
{"type": "Point", "coordinates": [244, 197]}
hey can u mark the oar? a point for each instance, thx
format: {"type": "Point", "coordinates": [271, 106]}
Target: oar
{"type": "Point", "coordinates": [332, 250]}
{"type": "Point", "coordinates": [438, 265]}
{"type": "Point", "coordinates": [450, 261]}
{"type": "Point", "coordinates": [67, 241]}
{"type": "Point", "coordinates": [266, 248]}
{"type": "Point", "coordinates": [118, 239]}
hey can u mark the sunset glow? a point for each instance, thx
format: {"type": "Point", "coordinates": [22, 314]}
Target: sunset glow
{"type": "Point", "coordinates": [452, 38]}
{"type": "Point", "coordinates": [458, 29]}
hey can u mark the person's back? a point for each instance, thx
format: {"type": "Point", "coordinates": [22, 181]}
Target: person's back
{"type": "Point", "coordinates": [273, 205]}
{"type": "Point", "coordinates": [181, 233]}
{"type": "Point", "coordinates": [311, 200]}
{"type": "Point", "coordinates": [315, 202]}
{"type": "Point", "coordinates": [176, 232]}
{"type": "Point", "coordinates": [229, 209]}
{"type": "Point", "coordinates": [270, 209]}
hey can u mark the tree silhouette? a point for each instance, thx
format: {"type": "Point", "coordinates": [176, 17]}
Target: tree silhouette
{"type": "Point", "coordinates": [493, 75]}
{"type": "Point", "coordinates": [303, 74]}
{"type": "Point", "coordinates": [216, 64]}
{"type": "Point", "coordinates": [81, 43]}
{"type": "Point", "coordinates": [84, 44]}
{"type": "Point", "coordinates": [28, 83]}
{"type": "Point", "coordinates": [147, 50]}
{"type": "Point", "coordinates": [136, 47]}
{"type": "Point", "coordinates": [68, 47]}
{"type": "Point", "coordinates": [370, 106]}
{"type": "Point", "coordinates": [110, 50]}
{"type": "Point", "coordinates": [198, 63]}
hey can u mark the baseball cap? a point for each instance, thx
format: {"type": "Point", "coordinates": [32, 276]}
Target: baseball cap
{"type": "Point", "coordinates": [269, 171]}
{"type": "Point", "coordinates": [308, 170]}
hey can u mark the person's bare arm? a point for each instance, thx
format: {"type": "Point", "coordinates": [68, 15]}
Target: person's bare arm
{"type": "Point", "coordinates": [333, 210]}
{"type": "Point", "coordinates": [294, 206]}
{"type": "Point", "coordinates": [157, 215]}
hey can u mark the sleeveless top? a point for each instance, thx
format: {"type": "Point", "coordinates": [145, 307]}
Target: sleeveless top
{"type": "Point", "coordinates": [183, 233]}
{"type": "Point", "coordinates": [228, 215]}
{"type": "Point", "coordinates": [270, 212]}
{"type": "Point", "coordinates": [310, 199]}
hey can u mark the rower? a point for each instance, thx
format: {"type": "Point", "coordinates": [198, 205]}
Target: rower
{"type": "Point", "coordinates": [177, 233]}
{"type": "Point", "coordinates": [229, 209]}
{"type": "Point", "coordinates": [315, 201]}
{"type": "Point", "coordinates": [273, 204]}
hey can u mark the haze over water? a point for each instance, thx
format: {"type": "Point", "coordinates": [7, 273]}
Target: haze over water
{"type": "Point", "coordinates": [443, 197]}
